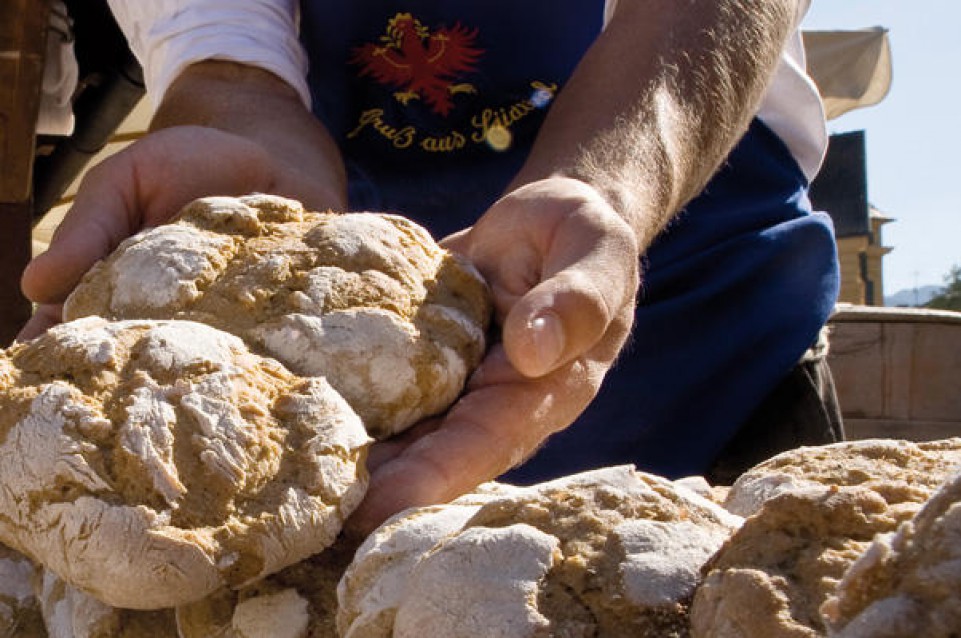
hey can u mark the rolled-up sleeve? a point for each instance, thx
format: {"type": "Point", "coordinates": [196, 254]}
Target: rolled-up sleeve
{"type": "Point", "coordinates": [168, 35]}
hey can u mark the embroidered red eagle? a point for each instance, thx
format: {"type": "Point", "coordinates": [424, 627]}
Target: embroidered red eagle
{"type": "Point", "coordinates": [421, 64]}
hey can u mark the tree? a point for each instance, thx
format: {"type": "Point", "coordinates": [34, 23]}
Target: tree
{"type": "Point", "coordinates": [950, 297]}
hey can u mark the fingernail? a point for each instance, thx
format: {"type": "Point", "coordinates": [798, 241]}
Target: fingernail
{"type": "Point", "coordinates": [547, 335]}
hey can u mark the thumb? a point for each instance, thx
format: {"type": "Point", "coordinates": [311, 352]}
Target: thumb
{"type": "Point", "coordinates": [563, 318]}
{"type": "Point", "coordinates": [585, 298]}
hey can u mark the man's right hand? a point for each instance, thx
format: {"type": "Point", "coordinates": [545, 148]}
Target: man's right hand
{"type": "Point", "coordinates": [145, 185]}
{"type": "Point", "coordinates": [223, 129]}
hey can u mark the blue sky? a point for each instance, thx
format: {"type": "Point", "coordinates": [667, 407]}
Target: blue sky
{"type": "Point", "coordinates": [913, 136]}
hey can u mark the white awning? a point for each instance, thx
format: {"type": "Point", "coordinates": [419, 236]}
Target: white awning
{"type": "Point", "coordinates": [852, 69]}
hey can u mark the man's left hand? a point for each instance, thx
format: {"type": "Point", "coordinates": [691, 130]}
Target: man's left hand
{"type": "Point", "coordinates": [563, 269]}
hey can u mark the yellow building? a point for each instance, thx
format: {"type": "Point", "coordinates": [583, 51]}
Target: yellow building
{"type": "Point", "coordinates": [840, 189]}
{"type": "Point", "coordinates": [862, 272]}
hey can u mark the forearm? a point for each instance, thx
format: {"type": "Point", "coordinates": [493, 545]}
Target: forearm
{"type": "Point", "coordinates": [659, 100]}
{"type": "Point", "coordinates": [260, 107]}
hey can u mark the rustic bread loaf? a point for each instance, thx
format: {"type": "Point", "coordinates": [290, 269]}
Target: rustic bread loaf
{"type": "Point", "coordinates": [811, 513]}
{"type": "Point", "coordinates": [149, 463]}
{"type": "Point", "coordinates": [770, 578]}
{"type": "Point", "coordinates": [378, 578]}
{"type": "Point", "coordinates": [607, 553]}
{"type": "Point", "coordinates": [903, 473]}
{"type": "Point", "coordinates": [393, 321]}
{"type": "Point", "coordinates": [907, 583]}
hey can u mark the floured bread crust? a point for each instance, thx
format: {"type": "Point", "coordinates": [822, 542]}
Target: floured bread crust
{"type": "Point", "coordinates": [70, 613]}
{"type": "Point", "coordinates": [607, 553]}
{"type": "Point", "coordinates": [19, 609]}
{"type": "Point", "coordinates": [903, 473]}
{"type": "Point", "coordinates": [811, 512]}
{"type": "Point", "coordinates": [378, 579]}
{"type": "Point", "coordinates": [770, 578]}
{"type": "Point", "coordinates": [907, 583]}
{"type": "Point", "coordinates": [302, 600]}
{"type": "Point", "coordinates": [149, 463]}
{"type": "Point", "coordinates": [368, 300]}
{"type": "Point", "coordinates": [296, 602]}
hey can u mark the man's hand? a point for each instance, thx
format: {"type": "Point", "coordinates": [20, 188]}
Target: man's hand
{"type": "Point", "coordinates": [222, 129]}
{"type": "Point", "coordinates": [648, 115]}
{"type": "Point", "coordinates": [563, 268]}
{"type": "Point", "coordinates": [145, 185]}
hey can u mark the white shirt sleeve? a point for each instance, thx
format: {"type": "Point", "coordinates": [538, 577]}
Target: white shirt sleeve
{"type": "Point", "coordinates": [169, 35]}
{"type": "Point", "coordinates": [792, 108]}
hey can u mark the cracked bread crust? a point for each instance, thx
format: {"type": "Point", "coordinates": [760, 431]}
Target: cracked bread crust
{"type": "Point", "coordinates": [368, 300]}
{"type": "Point", "coordinates": [149, 463]}
{"type": "Point", "coordinates": [904, 473]}
{"type": "Point", "coordinates": [613, 552]}
{"type": "Point", "coordinates": [907, 583]}
{"type": "Point", "coordinates": [771, 576]}
{"type": "Point", "coordinates": [811, 512]}
{"type": "Point", "coordinates": [378, 578]}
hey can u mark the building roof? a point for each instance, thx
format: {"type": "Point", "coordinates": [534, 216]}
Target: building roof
{"type": "Point", "coordinates": [840, 189]}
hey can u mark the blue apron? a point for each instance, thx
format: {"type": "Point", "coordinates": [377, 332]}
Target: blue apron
{"type": "Point", "coordinates": [435, 105]}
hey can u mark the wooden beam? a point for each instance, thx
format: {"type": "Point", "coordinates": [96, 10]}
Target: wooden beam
{"type": "Point", "coordinates": [23, 43]}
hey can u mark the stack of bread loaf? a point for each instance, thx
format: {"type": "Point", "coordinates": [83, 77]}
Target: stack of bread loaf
{"type": "Point", "coordinates": [178, 459]}
{"type": "Point", "coordinates": [201, 419]}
